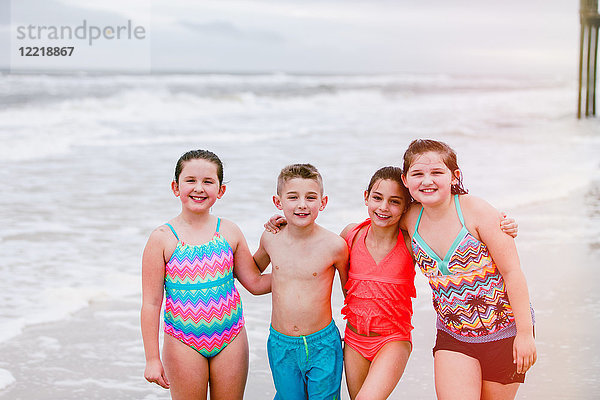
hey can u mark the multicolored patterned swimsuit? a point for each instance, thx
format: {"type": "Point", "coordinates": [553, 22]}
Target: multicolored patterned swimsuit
{"type": "Point", "coordinates": [469, 294]}
{"type": "Point", "coordinates": [203, 308]}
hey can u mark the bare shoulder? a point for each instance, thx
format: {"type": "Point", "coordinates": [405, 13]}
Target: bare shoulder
{"type": "Point", "coordinates": [331, 247]}
{"type": "Point", "coordinates": [230, 231]}
{"type": "Point", "coordinates": [228, 226]}
{"type": "Point", "coordinates": [479, 214]}
{"type": "Point", "coordinates": [269, 237]}
{"type": "Point", "coordinates": [161, 239]}
{"type": "Point", "coordinates": [330, 238]}
{"type": "Point", "coordinates": [477, 207]}
{"type": "Point", "coordinates": [162, 234]}
{"type": "Point", "coordinates": [347, 229]}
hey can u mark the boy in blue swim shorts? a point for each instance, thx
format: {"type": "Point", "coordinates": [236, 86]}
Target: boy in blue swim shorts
{"type": "Point", "coordinates": [304, 345]}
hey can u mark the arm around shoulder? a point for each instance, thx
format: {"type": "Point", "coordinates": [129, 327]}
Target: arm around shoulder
{"type": "Point", "coordinates": [245, 269]}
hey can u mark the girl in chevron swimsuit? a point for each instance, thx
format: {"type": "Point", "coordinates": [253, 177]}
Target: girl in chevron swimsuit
{"type": "Point", "coordinates": [193, 259]}
{"type": "Point", "coordinates": [485, 338]}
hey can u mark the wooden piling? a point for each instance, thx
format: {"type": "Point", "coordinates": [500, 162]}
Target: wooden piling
{"type": "Point", "coordinates": [588, 56]}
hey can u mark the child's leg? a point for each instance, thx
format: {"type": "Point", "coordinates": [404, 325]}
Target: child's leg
{"type": "Point", "coordinates": [498, 391]}
{"type": "Point", "coordinates": [386, 370]}
{"type": "Point", "coordinates": [325, 362]}
{"type": "Point", "coordinates": [229, 369]}
{"type": "Point", "coordinates": [457, 376]}
{"type": "Point", "coordinates": [498, 370]}
{"type": "Point", "coordinates": [186, 369]}
{"type": "Point", "coordinates": [285, 354]}
{"type": "Point", "coordinates": [357, 368]}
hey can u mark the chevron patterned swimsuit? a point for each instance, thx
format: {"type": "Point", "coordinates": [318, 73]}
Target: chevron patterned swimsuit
{"type": "Point", "coordinates": [203, 308]}
{"type": "Point", "coordinates": [469, 294]}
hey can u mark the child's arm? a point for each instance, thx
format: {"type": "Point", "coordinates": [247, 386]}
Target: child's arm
{"type": "Point", "coordinates": [275, 223]}
{"type": "Point", "coordinates": [503, 250]}
{"type": "Point", "coordinates": [341, 263]}
{"type": "Point", "coordinates": [261, 256]}
{"type": "Point", "coordinates": [245, 269]}
{"type": "Point", "coordinates": [343, 272]}
{"type": "Point", "coordinates": [153, 280]}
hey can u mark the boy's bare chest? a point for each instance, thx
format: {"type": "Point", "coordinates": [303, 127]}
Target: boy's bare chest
{"type": "Point", "coordinates": [300, 262]}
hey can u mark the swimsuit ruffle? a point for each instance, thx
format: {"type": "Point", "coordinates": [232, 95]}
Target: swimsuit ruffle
{"type": "Point", "coordinates": [380, 307]}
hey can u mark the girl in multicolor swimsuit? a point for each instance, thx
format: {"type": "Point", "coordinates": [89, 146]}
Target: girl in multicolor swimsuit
{"type": "Point", "coordinates": [485, 340]}
{"type": "Point", "coordinates": [194, 258]}
{"type": "Point", "coordinates": [378, 305]}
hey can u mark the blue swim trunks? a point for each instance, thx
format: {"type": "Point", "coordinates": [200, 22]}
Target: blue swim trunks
{"type": "Point", "coordinates": [306, 367]}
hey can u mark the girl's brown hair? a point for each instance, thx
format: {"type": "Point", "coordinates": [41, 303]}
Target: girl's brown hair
{"type": "Point", "coordinates": [199, 155]}
{"type": "Point", "coordinates": [420, 146]}
{"type": "Point", "coordinates": [392, 174]}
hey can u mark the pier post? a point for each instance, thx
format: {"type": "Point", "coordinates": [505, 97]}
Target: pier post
{"type": "Point", "coordinates": [588, 56]}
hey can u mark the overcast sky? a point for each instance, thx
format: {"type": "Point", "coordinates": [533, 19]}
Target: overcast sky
{"type": "Point", "coordinates": [451, 36]}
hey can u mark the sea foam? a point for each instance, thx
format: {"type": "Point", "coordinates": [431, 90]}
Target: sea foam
{"type": "Point", "coordinates": [6, 379]}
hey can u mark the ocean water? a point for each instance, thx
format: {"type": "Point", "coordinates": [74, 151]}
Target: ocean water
{"type": "Point", "coordinates": [86, 163]}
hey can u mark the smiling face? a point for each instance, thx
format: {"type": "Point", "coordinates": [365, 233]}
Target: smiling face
{"type": "Point", "coordinates": [428, 178]}
{"type": "Point", "coordinates": [300, 200]}
{"type": "Point", "coordinates": [386, 202]}
{"type": "Point", "coordinates": [198, 185]}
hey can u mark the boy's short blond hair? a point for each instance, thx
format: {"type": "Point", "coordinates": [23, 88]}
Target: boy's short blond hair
{"type": "Point", "coordinates": [303, 171]}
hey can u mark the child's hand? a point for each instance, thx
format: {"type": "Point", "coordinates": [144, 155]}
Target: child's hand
{"type": "Point", "coordinates": [155, 373]}
{"type": "Point", "coordinates": [275, 223]}
{"type": "Point", "coordinates": [524, 352]}
{"type": "Point", "coordinates": [509, 225]}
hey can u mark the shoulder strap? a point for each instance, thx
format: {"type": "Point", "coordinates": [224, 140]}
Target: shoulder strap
{"type": "Point", "coordinates": [418, 220]}
{"type": "Point", "coordinates": [172, 230]}
{"type": "Point", "coordinates": [458, 210]}
{"type": "Point", "coordinates": [218, 224]}
{"type": "Point", "coordinates": [354, 231]}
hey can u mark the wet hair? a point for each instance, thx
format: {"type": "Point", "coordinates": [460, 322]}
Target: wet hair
{"type": "Point", "coordinates": [421, 146]}
{"type": "Point", "coordinates": [303, 171]}
{"type": "Point", "coordinates": [199, 155]}
{"type": "Point", "coordinates": [391, 174]}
